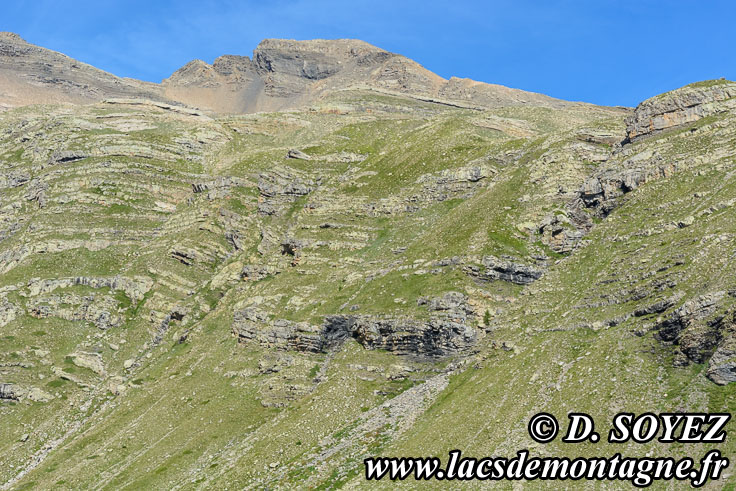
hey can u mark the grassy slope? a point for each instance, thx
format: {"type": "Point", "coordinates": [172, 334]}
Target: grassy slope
{"type": "Point", "coordinates": [199, 413]}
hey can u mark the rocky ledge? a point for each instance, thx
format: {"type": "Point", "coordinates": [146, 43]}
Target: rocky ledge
{"type": "Point", "coordinates": [506, 269]}
{"type": "Point", "coordinates": [682, 106]}
{"type": "Point", "coordinates": [446, 332]}
{"type": "Point", "coordinates": [704, 330]}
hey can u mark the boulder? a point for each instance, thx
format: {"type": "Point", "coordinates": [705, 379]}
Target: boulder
{"type": "Point", "coordinates": [297, 154]}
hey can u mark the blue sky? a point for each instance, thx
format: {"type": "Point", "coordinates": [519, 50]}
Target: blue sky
{"type": "Point", "coordinates": [600, 51]}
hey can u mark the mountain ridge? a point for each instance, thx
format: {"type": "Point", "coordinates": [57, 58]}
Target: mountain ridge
{"type": "Point", "coordinates": [281, 74]}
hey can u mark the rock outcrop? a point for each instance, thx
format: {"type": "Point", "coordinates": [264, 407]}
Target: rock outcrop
{"type": "Point", "coordinates": [601, 190]}
{"type": "Point", "coordinates": [505, 269]}
{"type": "Point", "coordinates": [671, 328]}
{"type": "Point", "coordinates": [8, 312]}
{"type": "Point", "coordinates": [702, 334]}
{"type": "Point", "coordinates": [447, 331]}
{"type": "Point", "coordinates": [8, 393]}
{"type": "Point", "coordinates": [14, 393]}
{"type": "Point", "coordinates": [681, 106]}
{"type": "Point", "coordinates": [254, 324]}
{"type": "Point", "coordinates": [560, 233]}
{"type": "Point", "coordinates": [462, 183]}
{"type": "Point", "coordinates": [99, 310]}
{"type": "Point", "coordinates": [279, 190]}
{"type": "Point", "coordinates": [722, 365]}
{"type": "Point", "coordinates": [135, 288]}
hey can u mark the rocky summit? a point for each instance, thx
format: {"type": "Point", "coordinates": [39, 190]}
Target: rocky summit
{"type": "Point", "coordinates": [264, 270]}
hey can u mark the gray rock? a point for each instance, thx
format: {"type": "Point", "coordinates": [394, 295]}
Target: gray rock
{"type": "Point", "coordinates": [601, 191]}
{"type": "Point", "coordinates": [253, 324]}
{"type": "Point", "coordinates": [14, 179]}
{"type": "Point", "coordinates": [255, 272]}
{"type": "Point", "coordinates": [722, 365]}
{"type": "Point", "coordinates": [36, 191]}
{"type": "Point", "coordinates": [505, 270]}
{"type": "Point", "coordinates": [560, 234]}
{"type": "Point", "coordinates": [447, 332]}
{"type": "Point", "coordinates": [658, 307]}
{"type": "Point", "coordinates": [8, 393]}
{"type": "Point", "coordinates": [451, 301]}
{"type": "Point", "coordinates": [8, 312]}
{"type": "Point", "coordinates": [184, 256]}
{"type": "Point", "coordinates": [436, 337]}
{"type": "Point", "coordinates": [691, 311]}
{"type": "Point", "coordinates": [279, 190]}
{"type": "Point", "coordinates": [62, 156]}
{"type": "Point", "coordinates": [679, 107]}
{"type": "Point", "coordinates": [297, 154]}
{"type": "Point", "coordinates": [703, 335]}
{"type": "Point", "coordinates": [462, 182]}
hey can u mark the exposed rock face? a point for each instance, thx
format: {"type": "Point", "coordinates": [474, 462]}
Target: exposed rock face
{"type": "Point", "coordinates": [62, 156]}
{"type": "Point", "coordinates": [135, 288]}
{"type": "Point", "coordinates": [253, 324]}
{"type": "Point", "coordinates": [36, 191]}
{"type": "Point", "coordinates": [253, 272]}
{"type": "Point", "coordinates": [185, 256]}
{"type": "Point", "coordinates": [452, 183]}
{"type": "Point", "coordinates": [453, 303]}
{"type": "Point", "coordinates": [297, 154]}
{"type": "Point", "coordinates": [220, 187]}
{"type": "Point", "coordinates": [693, 310]}
{"type": "Point", "coordinates": [278, 190]}
{"type": "Point", "coordinates": [702, 335]}
{"type": "Point", "coordinates": [437, 337]}
{"type": "Point", "coordinates": [14, 179]}
{"type": "Point", "coordinates": [198, 74]}
{"type": "Point", "coordinates": [287, 65]}
{"type": "Point", "coordinates": [722, 365]}
{"type": "Point", "coordinates": [7, 392]}
{"type": "Point", "coordinates": [8, 312]}
{"type": "Point", "coordinates": [505, 269]}
{"type": "Point", "coordinates": [446, 332]}
{"type": "Point", "coordinates": [600, 191]}
{"type": "Point", "coordinates": [560, 233]}
{"type": "Point", "coordinates": [99, 310]}
{"type": "Point", "coordinates": [285, 73]}
{"type": "Point", "coordinates": [33, 75]}
{"type": "Point", "coordinates": [658, 307]}
{"type": "Point", "coordinates": [679, 107]}
{"type": "Point", "coordinates": [10, 392]}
